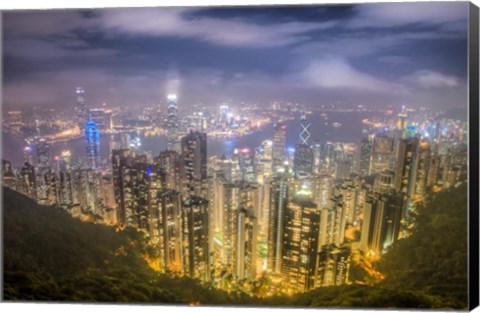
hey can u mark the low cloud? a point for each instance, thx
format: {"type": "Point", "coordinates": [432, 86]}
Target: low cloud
{"type": "Point", "coordinates": [226, 32]}
{"type": "Point", "coordinates": [338, 73]}
{"type": "Point", "coordinates": [431, 79]}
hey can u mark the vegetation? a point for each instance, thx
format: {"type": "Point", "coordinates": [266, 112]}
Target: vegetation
{"type": "Point", "coordinates": [50, 256]}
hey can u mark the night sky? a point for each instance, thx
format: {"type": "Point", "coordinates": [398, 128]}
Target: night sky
{"type": "Point", "coordinates": [382, 54]}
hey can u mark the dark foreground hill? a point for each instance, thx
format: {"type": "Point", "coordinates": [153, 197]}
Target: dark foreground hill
{"type": "Point", "coordinates": [50, 256]}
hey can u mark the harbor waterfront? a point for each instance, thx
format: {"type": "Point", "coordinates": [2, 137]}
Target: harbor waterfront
{"type": "Point", "coordinates": [323, 130]}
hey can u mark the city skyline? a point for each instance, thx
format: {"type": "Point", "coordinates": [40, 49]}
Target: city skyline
{"type": "Point", "coordinates": [314, 155]}
{"type": "Point", "coordinates": [355, 54]}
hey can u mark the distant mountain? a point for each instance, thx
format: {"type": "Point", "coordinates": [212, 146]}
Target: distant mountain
{"type": "Point", "coordinates": [50, 256]}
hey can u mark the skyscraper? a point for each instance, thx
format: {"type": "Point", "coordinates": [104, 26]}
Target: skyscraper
{"type": "Point", "coordinates": [43, 156]}
{"type": "Point", "coordinates": [279, 143]}
{"type": "Point", "coordinates": [172, 124]}
{"type": "Point", "coordinates": [194, 163]}
{"type": "Point", "coordinates": [364, 154]}
{"type": "Point", "coordinates": [246, 162]}
{"type": "Point", "coordinates": [169, 164]}
{"type": "Point", "coordinates": [278, 206]}
{"type": "Point", "coordinates": [381, 222]}
{"type": "Point", "coordinates": [406, 171]}
{"type": "Point", "coordinates": [166, 227]}
{"type": "Point", "coordinates": [303, 161]}
{"type": "Point", "coordinates": [300, 243]}
{"type": "Point", "coordinates": [196, 241]}
{"type": "Point", "coordinates": [28, 184]}
{"type": "Point", "coordinates": [92, 138]}
{"type": "Point", "coordinates": [81, 108]}
{"type": "Point", "coordinates": [304, 130]}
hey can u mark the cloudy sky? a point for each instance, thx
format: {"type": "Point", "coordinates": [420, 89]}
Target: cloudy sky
{"type": "Point", "coordinates": [392, 54]}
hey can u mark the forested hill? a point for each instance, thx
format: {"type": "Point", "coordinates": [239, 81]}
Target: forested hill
{"type": "Point", "coordinates": [50, 256]}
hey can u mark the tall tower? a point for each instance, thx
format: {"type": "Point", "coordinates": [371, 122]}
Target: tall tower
{"type": "Point", "coordinates": [92, 138]}
{"type": "Point", "coordinates": [304, 154]}
{"type": "Point", "coordinates": [304, 130]}
{"type": "Point", "coordinates": [278, 206]}
{"type": "Point", "coordinates": [279, 142]}
{"type": "Point", "coordinates": [195, 228]}
{"type": "Point", "coordinates": [81, 108]}
{"type": "Point", "coordinates": [300, 247]}
{"type": "Point", "coordinates": [43, 156]}
{"type": "Point", "coordinates": [172, 124]}
{"type": "Point", "coordinates": [406, 171]}
{"type": "Point", "coordinates": [194, 162]}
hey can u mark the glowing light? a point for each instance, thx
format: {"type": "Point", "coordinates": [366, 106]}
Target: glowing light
{"type": "Point", "coordinates": [172, 97]}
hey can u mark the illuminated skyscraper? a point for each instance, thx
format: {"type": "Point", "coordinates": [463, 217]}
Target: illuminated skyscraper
{"type": "Point", "coordinates": [381, 222]}
{"type": "Point", "coordinates": [121, 163]}
{"type": "Point", "coordinates": [406, 171]}
{"type": "Point", "coordinates": [81, 108]}
{"type": "Point", "coordinates": [28, 184]}
{"type": "Point", "coordinates": [196, 241]}
{"type": "Point", "coordinates": [43, 156]}
{"type": "Point", "coordinates": [333, 266]}
{"type": "Point", "coordinates": [169, 164]}
{"type": "Point", "coordinates": [279, 143]}
{"type": "Point", "coordinates": [245, 261]}
{"type": "Point", "coordinates": [364, 155]}
{"type": "Point", "coordinates": [246, 162]}
{"type": "Point", "coordinates": [92, 138]}
{"type": "Point", "coordinates": [166, 227]}
{"type": "Point", "coordinates": [300, 243]}
{"type": "Point", "coordinates": [172, 124]}
{"type": "Point", "coordinates": [278, 206]}
{"type": "Point", "coordinates": [303, 161]}
{"type": "Point", "coordinates": [194, 163]}
{"type": "Point", "coordinates": [304, 130]}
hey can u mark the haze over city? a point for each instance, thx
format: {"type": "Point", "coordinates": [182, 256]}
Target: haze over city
{"type": "Point", "coordinates": [380, 54]}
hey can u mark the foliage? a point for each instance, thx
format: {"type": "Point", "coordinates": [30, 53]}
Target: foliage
{"type": "Point", "coordinates": [50, 256]}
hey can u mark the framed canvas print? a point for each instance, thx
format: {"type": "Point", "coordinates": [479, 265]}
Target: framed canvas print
{"type": "Point", "coordinates": [313, 155]}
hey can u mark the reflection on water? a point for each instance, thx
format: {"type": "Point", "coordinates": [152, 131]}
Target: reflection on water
{"type": "Point", "coordinates": [349, 132]}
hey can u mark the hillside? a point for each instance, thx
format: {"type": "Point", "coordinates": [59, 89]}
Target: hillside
{"type": "Point", "coordinates": [50, 256]}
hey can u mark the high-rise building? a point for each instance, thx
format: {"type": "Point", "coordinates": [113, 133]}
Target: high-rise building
{"type": "Point", "coordinates": [43, 156]}
{"type": "Point", "coordinates": [246, 163]}
{"type": "Point", "coordinates": [303, 161]}
{"type": "Point", "coordinates": [169, 164]}
{"type": "Point", "coordinates": [166, 227]}
{"type": "Point", "coordinates": [343, 169]}
{"type": "Point", "coordinates": [333, 266]}
{"type": "Point", "coordinates": [278, 206]}
{"type": "Point", "coordinates": [28, 184]}
{"type": "Point", "coordinates": [122, 160]}
{"type": "Point", "coordinates": [381, 222]}
{"type": "Point", "coordinates": [245, 261]}
{"type": "Point", "coordinates": [279, 143]}
{"type": "Point", "coordinates": [364, 155]}
{"type": "Point", "coordinates": [196, 241]}
{"type": "Point", "coordinates": [81, 109]}
{"type": "Point", "coordinates": [300, 243]}
{"type": "Point", "coordinates": [317, 158]}
{"type": "Point", "coordinates": [383, 157]}
{"type": "Point", "coordinates": [172, 124]}
{"type": "Point", "coordinates": [194, 163]}
{"type": "Point", "coordinates": [304, 130]}
{"type": "Point", "coordinates": [384, 182]}
{"type": "Point", "coordinates": [406, 171]}
{"type": "Point", "coordinates": [92, 138]}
